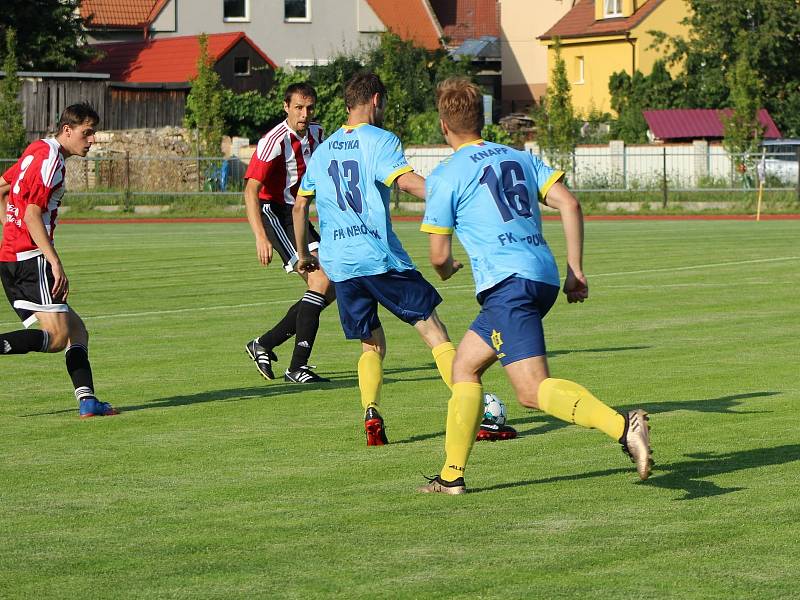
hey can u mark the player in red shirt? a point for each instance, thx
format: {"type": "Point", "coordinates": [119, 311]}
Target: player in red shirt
{"type": "Point", "coordinates": [30, 268]}
{"type": "Point", "coordinates": [273, 178]}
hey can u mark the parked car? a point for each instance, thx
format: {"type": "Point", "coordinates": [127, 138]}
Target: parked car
{"type": "Point", "coordinates": [781, 159]}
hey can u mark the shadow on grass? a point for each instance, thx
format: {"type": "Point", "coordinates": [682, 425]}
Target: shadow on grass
{"type": "Point", "coordinates": [721, 406]}
{"type": "Point", "coordinates": [554, 353]}
{"type": "Point", "coordinates": [688, 476]}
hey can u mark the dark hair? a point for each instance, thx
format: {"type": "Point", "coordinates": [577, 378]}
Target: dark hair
{"type": "Point", "coordinates": [77, 114]}
{"type": "Point", "coordinates": [362, 87]}
{"type": "Point", "coordinates": [301, 89]}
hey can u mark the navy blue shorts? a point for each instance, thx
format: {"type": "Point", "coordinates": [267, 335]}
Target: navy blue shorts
{"type": "Point", "coordinates": [511, 316]}
{"type": "Point", "coordinates": [406, 294]}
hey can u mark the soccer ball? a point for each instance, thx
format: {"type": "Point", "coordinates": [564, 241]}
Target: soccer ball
{"type": "Point", "coordinates": [493, 409]}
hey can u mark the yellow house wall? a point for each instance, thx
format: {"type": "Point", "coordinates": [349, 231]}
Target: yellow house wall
{"type": "Point", "coordinates": [605, 55]}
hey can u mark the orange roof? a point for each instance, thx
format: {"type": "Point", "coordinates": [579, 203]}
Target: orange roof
{"type": "Point", "coordinates": [579, 22]}
{"type": "Point", "coordinates": [467, 19]}
{"type": "Point", "coordinates": [130, 14]}
{"type": "Point", "coordinates": [415, 21]}
{"type": "Point", "coordinates": [163, 60]}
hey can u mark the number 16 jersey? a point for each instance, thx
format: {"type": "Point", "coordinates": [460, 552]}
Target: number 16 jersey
{"type": "Point", "coordinates": [489, 195]}
{"type": "Point", "coordinates": [350, 175]}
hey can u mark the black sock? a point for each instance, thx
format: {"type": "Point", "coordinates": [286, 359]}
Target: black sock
{"type": "Point", "coordinates": [24, 341]}
{"type": "Point", "coordinates": [307, 325]}
{"type": "Point", "coordinates": [80, 371]}
{"type": "Point", "coordinates": [283, 330]}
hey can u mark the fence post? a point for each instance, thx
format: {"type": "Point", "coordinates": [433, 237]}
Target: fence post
{"type": "Point", "coordinates": [798, 172]}
{"type": "Point", "coordinates": [127, 199]}
{"type": "Point", "coordinates": [664, 176]}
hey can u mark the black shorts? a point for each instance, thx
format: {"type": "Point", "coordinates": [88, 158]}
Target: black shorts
{"type": "Point", "coordinates": [279, 226]}
{"type": "Point", "coordinates": [28, 284]}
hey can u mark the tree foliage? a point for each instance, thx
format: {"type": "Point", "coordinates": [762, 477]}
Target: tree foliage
{"type": "Point", "coordinates": [743, 131]}
{"type": "Point", "coordinates": [12, 133]}
{"type": "Point", "coordinates": [204, 105]}
{"type": "Point", "coordinates": [632, 95]}
{"type": "Point", "coordinates": [556, 123]}
{"type": "Point", "coordinates": [50, 34]}
{"type": "Point", "coordinates": [770, 30]}
{"type": "Point", "coordinates": [409, 73]}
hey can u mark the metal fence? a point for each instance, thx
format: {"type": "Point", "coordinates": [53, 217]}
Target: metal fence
{"type": "Point", "coordinates": [121, 178]}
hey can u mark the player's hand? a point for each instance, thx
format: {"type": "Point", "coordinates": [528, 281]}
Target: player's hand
{"type": "Point", "coordinates": [60, 282]}
{"type": "Point", "coordinates": [575, 286]}
{"type": "Point", "coordinates": [264, 250]}
{"type": "Point", "coordinates": [456, 267]}
{"type": "Point", "coordinates": [306, 264]}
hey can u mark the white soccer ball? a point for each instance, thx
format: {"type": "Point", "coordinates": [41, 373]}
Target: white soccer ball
{"type": "Point", "coordinates": [493, 409]}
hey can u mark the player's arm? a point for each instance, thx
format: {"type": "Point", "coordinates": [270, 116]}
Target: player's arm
{"type": "Point", "coordinates": [441, 255]}
{"type": "Point", "coordinates": [38, 232]}
{"type": "Point", "coordinates": [253, 207]}
{"type": "Point", "coordinates": [5, 187]}
{"type": "Point", "coordinates": [559, 197]}
{"type": "Point", "coordinates": [412, 183]}
{"type": "Point", "coordinates": [306, 261]}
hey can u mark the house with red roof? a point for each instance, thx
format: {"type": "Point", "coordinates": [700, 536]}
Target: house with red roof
{"type": "Point", "coordinates": [241, 65]}
{"type": "Point", "coordinates": [689, 124]}
{"type": "Point", "coordinates": [602, 37]}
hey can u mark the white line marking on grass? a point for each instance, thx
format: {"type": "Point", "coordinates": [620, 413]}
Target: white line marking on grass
{"type": "Point", "coordinates": [449, 288]}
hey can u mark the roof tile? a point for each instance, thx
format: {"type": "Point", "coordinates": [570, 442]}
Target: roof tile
{"type": "Point", "coordinates": [580, 22]}
{"type": "Point", "coordinates": [694, 123]}
{"type": "Point", "coordinates": [414, 22]}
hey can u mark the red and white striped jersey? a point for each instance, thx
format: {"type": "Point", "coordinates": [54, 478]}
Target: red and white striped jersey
{"type": "Point", "coordinates": [36, 178]}
{"type": "Point", "coordinates": [279, 161]}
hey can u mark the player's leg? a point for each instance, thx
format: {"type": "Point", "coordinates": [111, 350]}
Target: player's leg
{"type": "Point", "coordinates": [434, 334]}
{"type": "Point", "coordinates": [320, 293]}
{"type": "Point", "coordinates": [21, 282]}
{"type": "Point", "coordinates": [67, 329]}
{"type": "Point", "coordinates": [358, 313]}
{"type": "Point", "coordinates": [464, 411]}
{"type": "Point", "coordinates": [261, 349]}
{"type": "Point", "coordinates": [370, 381]}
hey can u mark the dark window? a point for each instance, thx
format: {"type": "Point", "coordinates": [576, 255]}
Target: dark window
{"type": "Point", "coordinates": [235, 9]}
{"type": "Point", "coordinates": [241, 65]}
{"type": "Point", "coordinates": [296, 9]}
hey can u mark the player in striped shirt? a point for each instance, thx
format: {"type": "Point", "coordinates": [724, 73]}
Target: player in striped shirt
{"type": "Point", "coordinates": [30, 268]}
{"type": "Point", "coordinates": [273, 177]}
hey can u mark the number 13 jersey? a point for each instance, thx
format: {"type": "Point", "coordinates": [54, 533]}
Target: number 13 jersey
{"type": "Point", "coordinates": [489, 195]}
{"type": "Point", "coordinates": [350, 174]}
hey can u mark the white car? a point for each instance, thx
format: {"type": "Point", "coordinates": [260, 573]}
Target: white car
{"type": "Point", "coordinates": [781, 159]}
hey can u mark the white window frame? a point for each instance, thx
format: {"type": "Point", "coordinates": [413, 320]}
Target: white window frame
{"type": "Point", "coordinates": [580, 67]}
{"type": "Point", "coordinates": [306, 19]}
{"type": "Point", "coordinates": [612, 8]}
{"type": "Point", "coordinates": [244, 19]}
{"type": "Point", "coordinates": [249, 67]}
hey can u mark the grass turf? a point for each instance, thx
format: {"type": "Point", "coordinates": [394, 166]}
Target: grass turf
{"type": "Point", "coordinates": [216, 484]}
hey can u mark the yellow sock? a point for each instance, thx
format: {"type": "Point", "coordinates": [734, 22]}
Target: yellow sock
{"type": "Point", "coordinates": [573, 403]}
{"type": "Point", "coordinates": [444, 354]}
{"type": "Point", "coordinates": [370, 378]}
{"type": "Point", "coordinates": [463, 419]}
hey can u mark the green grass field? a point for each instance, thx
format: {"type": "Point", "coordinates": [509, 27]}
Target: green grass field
{"type": "Point", "coordinates": [214, 483]}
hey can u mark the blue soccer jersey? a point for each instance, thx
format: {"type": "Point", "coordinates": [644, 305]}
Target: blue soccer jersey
{"type": "Point", "coordinates": [350, 175]}
{"type": "Point", "coordinates": [488, 194]}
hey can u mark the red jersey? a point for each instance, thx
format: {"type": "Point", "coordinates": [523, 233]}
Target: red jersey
{"type": "Point", "coordinates": [36, 178]}
{"type": "Point", "coordinates": [279, 161]}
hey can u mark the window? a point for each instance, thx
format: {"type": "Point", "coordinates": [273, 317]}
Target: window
{"type": "Point", "coordinates": [297, 10]}
{"type": "Point", "coordinates": [241, 66]}
{"type": "Point", "coordinates": [236, 10]}
{"type": "Point", "coordinates": [579, 66]}
{"type": "Point", "coordinates": [613, 8]}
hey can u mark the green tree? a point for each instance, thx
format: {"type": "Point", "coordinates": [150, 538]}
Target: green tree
{"type": "Point", "coordinates": [204, 105]}
{"type": "Point", "coordinates": [12, 134]}
{"type": "Point", "coordinates": [50, 34]}
{"type": "Point", "coordinates": [743, 131]}
{"type": "Point", "coordinates": [771, 30]}
{"type": "Point", "coordinates": [557, 126]}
